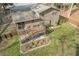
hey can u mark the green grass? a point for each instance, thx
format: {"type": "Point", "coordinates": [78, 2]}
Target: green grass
{"type": "Point", "coordinates": [13, 49]}
{"type": "Point", "coordinates": [54, 48]}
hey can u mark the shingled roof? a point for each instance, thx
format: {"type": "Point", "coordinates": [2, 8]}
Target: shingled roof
{"type": "Point", "coordinates": [40, 8]}
{"type": "Point", "coordinates": [24, 16]}
{"type": "Point", "coordinates": [32, 14]}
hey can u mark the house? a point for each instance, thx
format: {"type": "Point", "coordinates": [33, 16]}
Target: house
{"type": "Point", "coordinates": [48, 14]}
{"type": "Point", "coordinates": [27, 22]}
{"type": "Point", "coordinates": [29, 25]}
{"type": "Point", "coordinates": [34, 18]}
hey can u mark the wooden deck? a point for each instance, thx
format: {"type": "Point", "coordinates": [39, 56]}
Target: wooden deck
{"type": "Point", "coordinates": [74, 18]}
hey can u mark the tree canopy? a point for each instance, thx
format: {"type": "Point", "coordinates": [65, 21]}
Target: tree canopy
{"type": "Point", "coordinates": [5, 5]}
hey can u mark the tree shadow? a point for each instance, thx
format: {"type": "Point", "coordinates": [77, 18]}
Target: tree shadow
{"type": "Point", "coordinates": [77, 49]}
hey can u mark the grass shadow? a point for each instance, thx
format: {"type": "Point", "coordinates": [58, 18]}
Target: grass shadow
{"type": "Point", "coordinates": [49, 31]}
{"type": "Point", "coordinates": [77, 49]}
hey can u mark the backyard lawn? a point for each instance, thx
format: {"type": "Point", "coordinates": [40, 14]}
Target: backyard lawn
{"type": "Point", "coordinates": [55, 48]}
{"type": "Point", "coordinates": [13, 47]}
{"type": "Point", "coordinates": [64, 41]}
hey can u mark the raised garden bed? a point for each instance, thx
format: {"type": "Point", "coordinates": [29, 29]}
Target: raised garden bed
{"type": "Point", "coordinates": [34, 30]}
{"type": "Point", "coordinates": [34, 45]}
{"type": "Point", "coordinates": [33, 37]}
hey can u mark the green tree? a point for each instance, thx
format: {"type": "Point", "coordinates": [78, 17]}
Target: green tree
{"type": "Point", "coordinates": [76, 4]}
{"type": "Point", "coordinates": [5, 5]}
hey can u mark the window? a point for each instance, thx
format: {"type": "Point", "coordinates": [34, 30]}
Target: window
{"type": "Point", "coordinates": [5, 36]}
{"type": "Point", "coordinates": [0, 39]}
{"type": "Point", "coordinates": [35, 25]}
{"type": "Point", "coordinates": [1, 21]}
{"type": "Point", "coordinates": [21, 25]}
{"type": "Point", "coordinates": [11, 35]}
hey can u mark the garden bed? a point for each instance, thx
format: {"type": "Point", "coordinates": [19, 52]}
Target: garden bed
{"type": "Point", "coordinates": [33, 37]}
{"type": "Point", "coordinates": [32, 45]}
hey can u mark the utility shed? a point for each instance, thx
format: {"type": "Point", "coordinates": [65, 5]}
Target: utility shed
{"type": "Point", "coordinates": [48, 14]}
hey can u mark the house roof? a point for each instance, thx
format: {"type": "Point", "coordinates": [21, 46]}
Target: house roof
{"type": "Point", "coordinates": [30, 15]}
{"type": "Point", "coordinates": [24, 16]}
{"type": "Point", "coordinates": [41, 8]}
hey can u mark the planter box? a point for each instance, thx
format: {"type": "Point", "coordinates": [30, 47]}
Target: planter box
{"type": "Point", "coordinates": [34, 45]}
